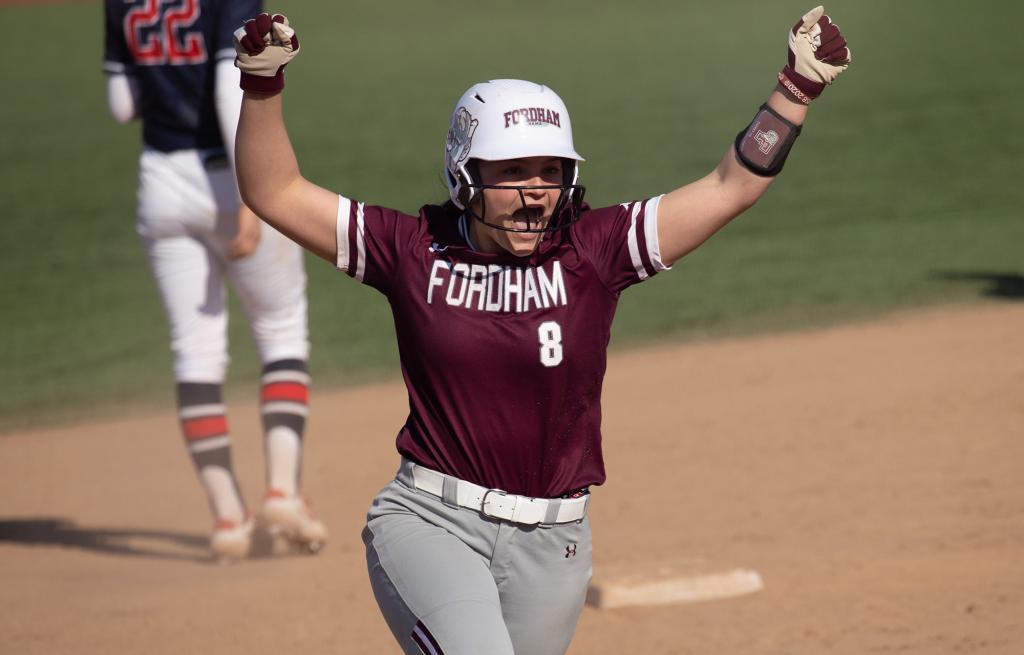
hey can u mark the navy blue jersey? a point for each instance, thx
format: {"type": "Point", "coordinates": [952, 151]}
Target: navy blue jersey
{"type": "Point", "coordinates": [503, 357]}
{"type": "Point", "coordinates": [172, 48]}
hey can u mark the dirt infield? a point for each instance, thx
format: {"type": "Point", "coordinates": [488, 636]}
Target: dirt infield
{"type": "Point", "coordinates": [872, 474]}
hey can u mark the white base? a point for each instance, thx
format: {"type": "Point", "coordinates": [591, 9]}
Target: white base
{"type": "Point", "coordinates": [686, 582]}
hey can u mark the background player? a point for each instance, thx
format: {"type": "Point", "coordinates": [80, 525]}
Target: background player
{"type": "Point", "coordinates": [503, 301]}
{"type": "Point", "coordinates": [172, 64]}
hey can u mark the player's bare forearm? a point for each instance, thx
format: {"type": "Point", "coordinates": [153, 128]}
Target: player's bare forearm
{"type": "Point", "coordinates": [690, 215]}
{"type": "Point", "coordinates": [271, 184]}
{"type": "Point", "coordinates": [794, 112]}
{"type": "Point", "coordinates": [266, 163]}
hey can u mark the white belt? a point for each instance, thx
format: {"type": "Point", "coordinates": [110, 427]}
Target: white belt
{"type": "Point", "coordinates": [499, 504]}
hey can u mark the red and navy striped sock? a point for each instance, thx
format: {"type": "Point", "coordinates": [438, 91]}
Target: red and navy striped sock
{"type": "Point", "coordinates": [205, 427]}
{"type": "Point", "coordinates": [284, 405]}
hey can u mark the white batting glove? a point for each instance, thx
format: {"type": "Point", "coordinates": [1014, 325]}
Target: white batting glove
{"type": "Point", "coordinates": [817, 55]}
{"type": "Point", "coordinates": [265, 44]}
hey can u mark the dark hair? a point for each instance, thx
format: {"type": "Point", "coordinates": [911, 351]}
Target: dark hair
{"type": "Point", "coordinates": [450, 210]}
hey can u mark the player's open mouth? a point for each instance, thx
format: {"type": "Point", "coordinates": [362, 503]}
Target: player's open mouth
{"type": "Point", "coordinates": [526, 237]}
{"type": "Point", "coordinates": [527, 218]}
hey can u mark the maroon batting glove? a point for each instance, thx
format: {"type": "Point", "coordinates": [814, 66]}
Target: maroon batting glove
{"type": "Point", "coordinates": [817, 55]}
{"type": "Point", "coordinates": [264, 46]}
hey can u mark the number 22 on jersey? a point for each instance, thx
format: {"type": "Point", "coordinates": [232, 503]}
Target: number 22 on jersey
{"type": "Point", "coordinates": [168, 42]}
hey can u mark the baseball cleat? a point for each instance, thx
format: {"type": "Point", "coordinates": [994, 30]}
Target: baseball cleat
{"type": "Point", "coordinates": [290, 517]}
{"type": "Point", "coordinates": [231, 540]}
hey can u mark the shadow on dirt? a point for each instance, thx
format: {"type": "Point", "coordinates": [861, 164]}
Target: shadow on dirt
{"type": "Point", "coordinates": [1001, 285]}
{"type": "Point", "coordinates": [153, 544]}
{"type": "Point", "coordinates": [112, 541]}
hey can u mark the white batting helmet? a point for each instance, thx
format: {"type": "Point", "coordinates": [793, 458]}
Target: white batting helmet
{"type": "Point", "coordinates": [506, 119]}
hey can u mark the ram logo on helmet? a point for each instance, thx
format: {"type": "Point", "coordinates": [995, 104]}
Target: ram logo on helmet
{"type": "Point", "coordinates": [460, 138]}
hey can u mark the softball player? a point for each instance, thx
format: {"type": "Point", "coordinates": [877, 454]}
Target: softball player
{"type": "Point", "coordinates": [503, 300]}
{"type": "Point", "coordinates": [172, 63]}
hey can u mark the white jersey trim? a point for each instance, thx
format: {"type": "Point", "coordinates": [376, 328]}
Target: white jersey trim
{"type": "Point", "coordinates": [647, 212]}
{"type": "Point", "coordinates": [353, 263]}
{"type": "Point", "coordinates": [651, 233]}
{"type": "Point", "coordinates": [360, 243]}
{"type": "Point", "coordinates": [341, 232]}
{"type": "Point", "coordinates": [634, 248]}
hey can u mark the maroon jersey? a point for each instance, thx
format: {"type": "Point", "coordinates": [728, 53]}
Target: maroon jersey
{"type": "Point", "coordinates": [503, 357]}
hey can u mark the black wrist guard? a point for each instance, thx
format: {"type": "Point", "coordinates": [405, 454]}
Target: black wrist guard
{"type": "Point", "coordinates": [764, 145]}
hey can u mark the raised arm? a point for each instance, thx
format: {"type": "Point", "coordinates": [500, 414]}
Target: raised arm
{"type": "Point", "coordinates": [268, 173]}
{"type": "Point", "coordinates": [688, 216]}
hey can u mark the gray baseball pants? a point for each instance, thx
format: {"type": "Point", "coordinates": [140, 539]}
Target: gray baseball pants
{"type": "Point", "coordinates": [451, 580]}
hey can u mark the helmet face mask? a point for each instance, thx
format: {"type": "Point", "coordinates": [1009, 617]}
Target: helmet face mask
{"type": "Point", "coordinates": [566, 210]}
{"type": "Point", "coordinates": [511, 119]}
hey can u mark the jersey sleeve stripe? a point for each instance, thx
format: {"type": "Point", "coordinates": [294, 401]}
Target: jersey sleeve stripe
{"type": "Point", "coordinates": [350, 241]}
{"type": "Point", "coordinates": [360, 244]}
{"type": "Point", "coordinates": [651, 234]}
{"type": "Point", "coordinates": [634, 246]}
{"type": "Point", "coordinates": [224, 53]}
{"type": "Point", "coordinates": [341, 232]}
{"type": "Point", "coordinates": [114, 67]}
{"type": "Point", "coordinates": [642, 244]}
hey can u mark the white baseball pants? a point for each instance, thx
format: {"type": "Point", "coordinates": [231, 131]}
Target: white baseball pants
{"type": "Point", "coordinates": [186, 216]}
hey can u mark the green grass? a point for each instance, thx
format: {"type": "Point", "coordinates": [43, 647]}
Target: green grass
{"type": "Point", "coordinates": [906, 177]}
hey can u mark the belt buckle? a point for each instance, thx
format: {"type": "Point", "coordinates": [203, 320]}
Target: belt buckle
{"type": "Point", "coordinates": [484, 505]}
